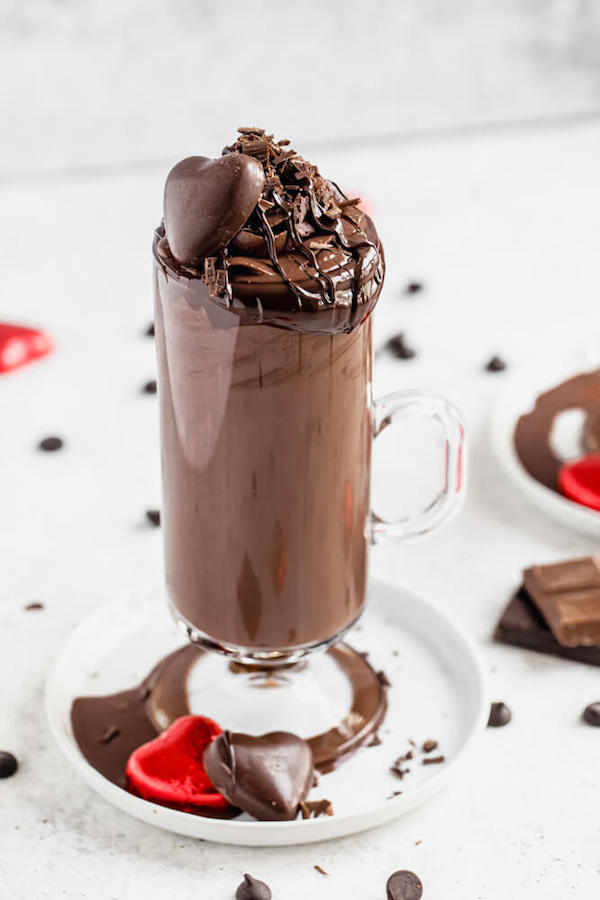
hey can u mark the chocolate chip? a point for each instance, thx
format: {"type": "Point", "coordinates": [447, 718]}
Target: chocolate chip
{"type": "Point", "coordinates": [153, 516]}
{"type": "Point", "coordinates": [383, 680]}
{"type": "Point", "coordinates": [398, 346]}
{"type": "Point", "coordinates": [500, 715]}
{"type": "Point", "coordinates": [591, 714]}
{"type": "Point", "coordinates": [149, 387]}
{"type": "Point", "coordinates": [8, 764]}
{"type": "Point", "coordinates": [433, 760]}
{"type": "Point", "coordinates": [109, 734]}
{"type": "Point", "coordinates": [321, 870]}
{"type": "Point", "coordinates": [429, 746]}
{"type": "Point", "coordinates": [404, 885]}
{"type": "Point", "coordinates": [496, 364]}
{"type": "Point", "coordinates": [252, 889]}
{"type": "Point", "coordinates": [375, 741]}
{"type": "Point", "coordinates": [150, 330]}
{"type": "Point", "coordinates": [49, 444]}
{"type": "Point", "coordinates": [394, 794]}
{"type": "Point", "coordinates": [414, 287]}
{"type": "Point", "coordinates": [35, 605]}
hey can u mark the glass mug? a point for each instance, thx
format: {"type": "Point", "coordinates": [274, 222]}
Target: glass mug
{"type": "Point", "coordinates": [266, 437]}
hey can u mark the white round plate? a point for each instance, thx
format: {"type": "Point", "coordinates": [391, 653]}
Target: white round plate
{"type": "Point", "coordinates": [437, 692]}
{"type": "Point", "coordinates": [519, 397]}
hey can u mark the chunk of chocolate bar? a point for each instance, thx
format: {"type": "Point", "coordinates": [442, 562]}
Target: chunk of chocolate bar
{"type": "Point", "coordinates": [522, 626]}
{"type": "Point", "coordinates": [567, 595]}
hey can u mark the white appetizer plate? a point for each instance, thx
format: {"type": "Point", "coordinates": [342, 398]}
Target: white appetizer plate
{"type": "Point", "coordinates": [519, 397]}
{"type": "Point", "coordinates": [437, 692]}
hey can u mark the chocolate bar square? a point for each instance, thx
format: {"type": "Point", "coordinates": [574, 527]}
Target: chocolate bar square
{"type": "Point", "coordinates": [567, 595]}
{"type": "Point", "coordinates": [521, 625]}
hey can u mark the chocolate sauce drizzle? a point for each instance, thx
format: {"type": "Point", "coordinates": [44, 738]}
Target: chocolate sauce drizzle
{"type": "Point", "coordinates": [304, 234]}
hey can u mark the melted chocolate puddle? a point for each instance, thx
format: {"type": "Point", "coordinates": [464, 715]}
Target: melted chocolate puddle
{"type": "Point", "coordinates": [532, 433]}
{"type": "Point", "coordinates": [109, 728]}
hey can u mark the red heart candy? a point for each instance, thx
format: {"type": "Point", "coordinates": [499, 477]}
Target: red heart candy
{"type": "Point", "coordinates": [580, 480]}
{"type": "Point", "coordinates": [169, 769]}
{"type": "Point", "coordinates": [20, 345]}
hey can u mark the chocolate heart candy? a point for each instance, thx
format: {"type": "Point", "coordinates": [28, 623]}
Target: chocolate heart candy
{"type": "Point", "coordinates": [169, 769]}
{"type": "Point", "coordinates": [265, 776]}
{"type": "Point", "coordinates": [580, 481]}
{"type": "Point", "coordinates": [207, 201]}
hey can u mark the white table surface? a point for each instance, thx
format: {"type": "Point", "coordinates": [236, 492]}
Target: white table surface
{"type": "Point", "coordinates": [504, 230]}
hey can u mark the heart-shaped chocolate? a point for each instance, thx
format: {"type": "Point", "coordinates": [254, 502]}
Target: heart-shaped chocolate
{"type": "Point", "coordinates": [20, 345]}
{"type": "Point", "coordinates": [207, 201]}
{"type": "Point", "coordinates": [169, 769]}
{"type": "Point", "coordinates": [265, 776]}
{"type": "Point", "coordinates": [580, 480]}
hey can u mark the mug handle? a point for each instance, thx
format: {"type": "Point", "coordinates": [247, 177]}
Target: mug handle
{"type": "Point", "coordinates": [402, 405]}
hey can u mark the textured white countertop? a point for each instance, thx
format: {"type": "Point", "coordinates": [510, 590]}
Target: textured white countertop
{"type": "Point", "coordinates": [504, 231]}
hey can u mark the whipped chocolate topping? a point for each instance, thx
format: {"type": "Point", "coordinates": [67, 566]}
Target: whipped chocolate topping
{"type": "Point", "coordinates": [266, 776]}
{"type": "Point", "coordinates": [533, 430]}
{"type": "Point", "coordinates": [306, 257]}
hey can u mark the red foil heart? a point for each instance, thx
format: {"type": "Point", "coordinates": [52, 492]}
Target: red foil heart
{"type": "Point", "coordinates": [169, 769]}
{"type": "Point", "coordinates": [20, 345]}
{"type": "Point", "coordinates": [580, 481]}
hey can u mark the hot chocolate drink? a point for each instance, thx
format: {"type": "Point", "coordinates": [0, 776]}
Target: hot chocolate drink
{"type": "Point", "coordinates": [264, 351]}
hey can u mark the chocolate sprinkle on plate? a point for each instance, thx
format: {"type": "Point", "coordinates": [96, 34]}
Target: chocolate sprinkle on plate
{"type": "Point", "coordinates": [429, 746]}
{"type": "Point", "coordinates": [109, 734]}
{"type": "Point", "coordinates": [500, 715]}
{"type": "Point", "coordinates": [414, 287]}
{"type": "Point", "coordinates": [35, 605]}
{"type": "Point", "coordinates": [591, 714]}
{"type": "Point", "coordinates": [496, 364]}
{"type": "Point", "coordinates": [149, 387]}
{"type": "Point", "coordinates": [252, 889]}
{"type": "Point", "coordinates": [383, 680]}
{"type": "Point", "coordinates": [150, 330]}
{"type": "Point", "coordinates": [312, 809]}
{"type": "Point", "coordinates": [404, 885]}
{"type": "Point", "coordinates": [321, 870]}
{"type": "Point", "coordinates": [8, 764]}
{"type": "Point", "coordinates": [393, 794]}
{"type": "Point", "coordinates": [50, 444]}
{"type": "Point", "coordinates": [153, 516]}
{"type": "Point", "coordinates": [398, 346]}
{"type": "Point", "coordinates": [375, 741]}
{"type": "Point", "coordinates": [433, 760]}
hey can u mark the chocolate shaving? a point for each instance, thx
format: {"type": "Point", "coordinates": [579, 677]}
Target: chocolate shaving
{"type": "Point", "coordinates": [429, 746]}
{"type": "Point", "coordinates": [321, 870]}
{"type": "Point", "coordinates": [109, 734]}
{"type": "Point", "coordinates": [312, 809]}
{"type": "Point", "coordinates": [433, 760]}
{"type": "Point", "coordinates": [383, 679]}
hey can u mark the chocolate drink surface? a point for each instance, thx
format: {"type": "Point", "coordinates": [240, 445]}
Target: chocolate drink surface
{"type": "Point", "coordinates": [264, 354]}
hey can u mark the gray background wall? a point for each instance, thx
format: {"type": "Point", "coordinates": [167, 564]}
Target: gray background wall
{"type": "Point", "coordinates": [99, 82]}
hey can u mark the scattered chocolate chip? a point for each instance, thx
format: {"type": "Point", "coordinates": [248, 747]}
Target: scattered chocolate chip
{"type": "Point", "coordinates": [375, 741]}
{"type": "Point", "coordinates": [398, 346]}
{"type": "Point", "coordinates": [383, 679]}
{"type": "Point", "coordinates": [321, 870]}
{"type": "Point", "coordinates": [500, 715]}
{"type": "Point", "coordinates": [398, 771]}
{"type": "Point", "coordinates": [404, 885]}
{"type": "Point", "coordinates": [150, 330]}
{"type": "Point", "coordinates": [35, 605]}
{"type": "Point", "coordinates": [149, 387]}
{"type": "Point", "coordinates": [404, 758]}
{"type": "Point", "coordinates": [8, 764]}
{"type": "Point", "coordinates": [429, 746]}
{"type": "Point", "coordinates": [496, 364]}
{"type": "Point", "coordinates": [153, 516]}
{"type": "Point", "coordinates": [312, 809]}
{"type": "Point", "coordinates": [252, 889]}
{"type": "Point", "coordinates": [417, 843]}
{"type": "Point", "coordinates": [591, 714]}
{"type": "Point", "coordinates": [393, 794]}
{"type": "Point", "coordinates": [109, 734]}
{"type": "Point", "coordinates": [433, 760]}
{"type": "Point", "coordinates": [414, 287]}
{"type": "Point", "coordinates": [49, 444]}
{"type": "Point", "coordinates": [412, 743]}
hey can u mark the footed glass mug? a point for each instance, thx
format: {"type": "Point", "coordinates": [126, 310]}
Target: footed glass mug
{"type": "Point", "coordinates": [266, 438]}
